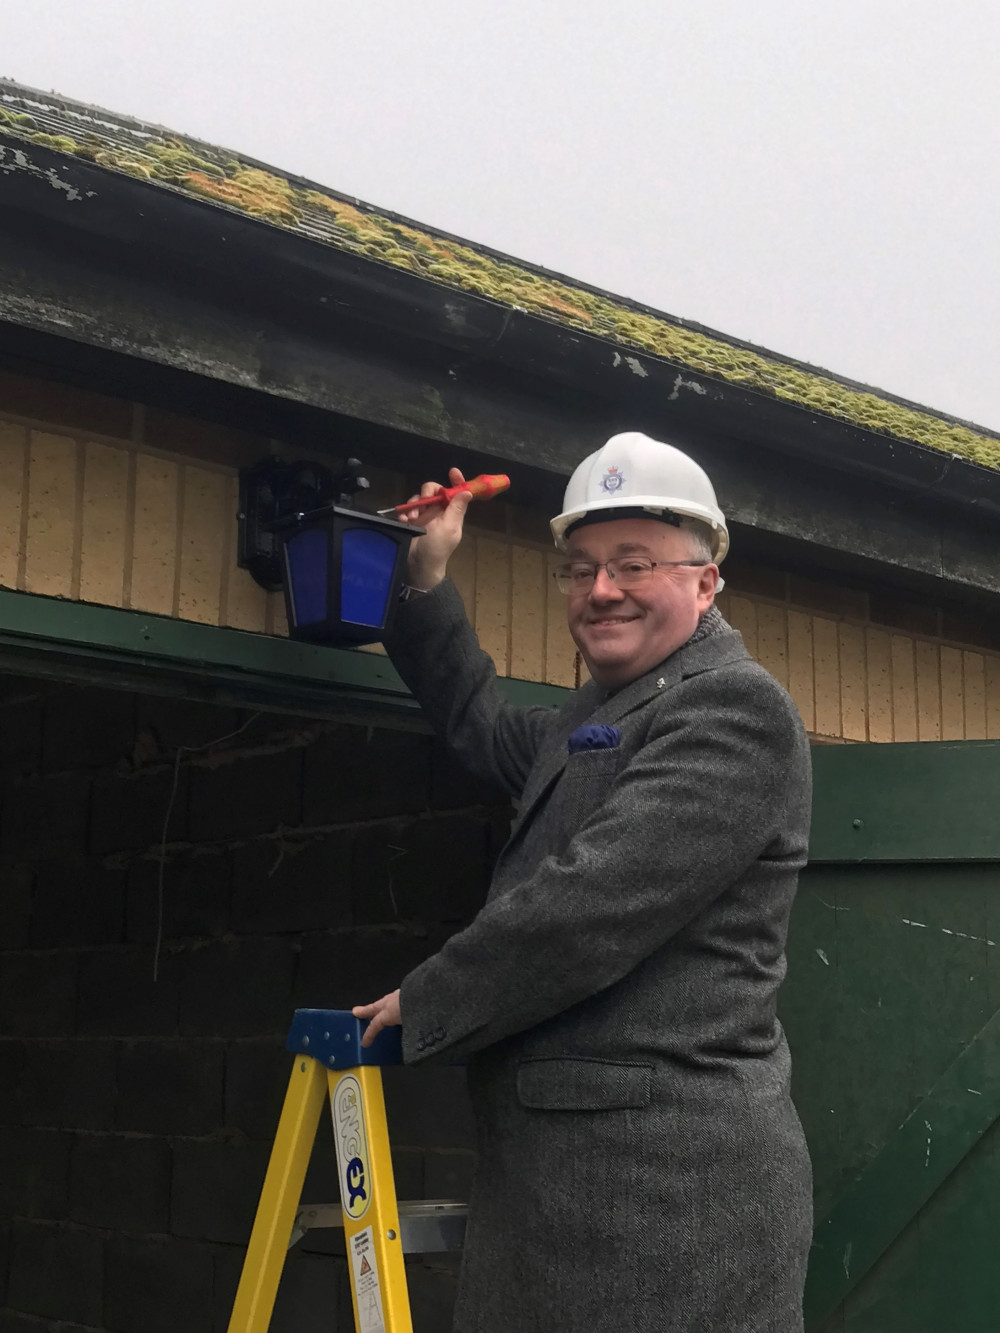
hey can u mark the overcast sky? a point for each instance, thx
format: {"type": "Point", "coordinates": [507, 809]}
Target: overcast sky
{"type": "Point", "coordinates": [821, 177]}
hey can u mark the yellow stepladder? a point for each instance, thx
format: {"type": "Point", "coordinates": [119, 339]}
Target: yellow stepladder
{"type": "Point", "coordinates": [331, 1064]}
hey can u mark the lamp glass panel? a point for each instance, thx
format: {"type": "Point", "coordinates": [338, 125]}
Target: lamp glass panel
{"type": "Point", "coordinates": [306, 554]}
{"type": "Point", "coordinates": [366, 566]}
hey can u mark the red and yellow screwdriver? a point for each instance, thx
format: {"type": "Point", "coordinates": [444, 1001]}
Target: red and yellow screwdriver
{"type": "Point", "coordinates": [483, 487]}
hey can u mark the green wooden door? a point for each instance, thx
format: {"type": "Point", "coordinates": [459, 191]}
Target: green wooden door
{"type": "Point", "coordinates": [892, 1008]}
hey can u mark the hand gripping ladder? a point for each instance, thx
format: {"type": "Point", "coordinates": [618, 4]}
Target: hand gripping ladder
{"type": "Point", "coordinates": [330, 1062]}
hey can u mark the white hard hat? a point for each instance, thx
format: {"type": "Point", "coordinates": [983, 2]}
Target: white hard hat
{"type": "Point", "coordinates": [632, 472]}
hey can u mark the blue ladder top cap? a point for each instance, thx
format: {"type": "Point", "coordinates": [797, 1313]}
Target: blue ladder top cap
{"type": "Point", "coordinates": [333, 1037]}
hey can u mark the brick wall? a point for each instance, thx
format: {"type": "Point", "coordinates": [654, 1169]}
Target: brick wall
{"type": "Point", "coordinates": [302, 868]}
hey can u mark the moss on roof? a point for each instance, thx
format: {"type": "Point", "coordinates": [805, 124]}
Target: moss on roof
{"type": "Point", "coordinates": [218, 176]}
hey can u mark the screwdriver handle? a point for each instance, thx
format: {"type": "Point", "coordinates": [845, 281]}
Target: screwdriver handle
{"type": "Point", "coordinates": [483, 487]}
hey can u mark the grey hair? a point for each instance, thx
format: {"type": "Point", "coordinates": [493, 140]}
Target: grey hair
{"type": "Point", "coordinates": [699, 540]}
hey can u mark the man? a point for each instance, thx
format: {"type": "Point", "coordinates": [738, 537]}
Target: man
{"type": "Point", "coordinates": [641, 1165]}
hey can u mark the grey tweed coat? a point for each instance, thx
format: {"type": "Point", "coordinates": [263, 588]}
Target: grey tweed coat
{"type": "Point", "coordinates": [641, 1164]}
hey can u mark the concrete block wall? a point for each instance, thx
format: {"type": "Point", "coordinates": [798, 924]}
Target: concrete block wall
{"type": "Point", "coordinates": [304, 866]}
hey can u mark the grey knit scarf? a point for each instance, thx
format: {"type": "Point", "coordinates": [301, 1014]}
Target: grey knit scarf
{"type": "Point", "coordinates": [708, 626]}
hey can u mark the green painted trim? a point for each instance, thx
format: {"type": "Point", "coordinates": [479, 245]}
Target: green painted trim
{"type": "Point", "coordinates": [871, 802]}
{"type": "Point", "coordinates": [888, 1194]}
{"type": "Point", "coordinates": [257, 667]}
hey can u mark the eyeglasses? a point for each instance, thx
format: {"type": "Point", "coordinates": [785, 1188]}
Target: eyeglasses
{"type": "Point", "coordinates": [628, 571]}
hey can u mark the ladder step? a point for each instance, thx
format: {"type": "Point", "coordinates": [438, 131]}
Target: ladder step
{"type": "Point", "coordinates": [426, 1226]}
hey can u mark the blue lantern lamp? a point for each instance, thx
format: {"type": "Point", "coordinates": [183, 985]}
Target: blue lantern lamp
{"type": "Point", "coordinates": [341, 569]}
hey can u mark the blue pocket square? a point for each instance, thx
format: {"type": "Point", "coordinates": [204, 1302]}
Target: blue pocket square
{"type": "Point", "coordinates": [594, 738]}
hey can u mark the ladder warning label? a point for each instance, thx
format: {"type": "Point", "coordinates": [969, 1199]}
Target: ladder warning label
{"type": "Point", "coordinates": [366, 1286]}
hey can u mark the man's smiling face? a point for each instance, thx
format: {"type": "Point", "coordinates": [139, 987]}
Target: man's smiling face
{"type": "Point", "coordinates": [624, 632]}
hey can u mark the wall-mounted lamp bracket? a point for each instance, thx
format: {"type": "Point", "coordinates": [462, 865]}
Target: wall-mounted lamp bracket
{"type": "Point", "coordinates": [276, 495]}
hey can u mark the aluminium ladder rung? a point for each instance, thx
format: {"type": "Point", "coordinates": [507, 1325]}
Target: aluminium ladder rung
{"type": "Point", "coordinates": [426, 1226]}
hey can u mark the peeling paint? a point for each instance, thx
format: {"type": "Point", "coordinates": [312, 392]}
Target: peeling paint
{"type": "Point", "coordinates": [927, 1159]}
{"type": "Point", "coordinates": [71, 190]}
{"type": "Point", "coordinates": [961, 935]}
{"type": "Point", "coordinates": [681, 383]}
{"type": "Point", "coordinates": [15, 159]}
{"type": "Point", "coordinates": [834, 907]}
{"type": "Point", "coordinates": [956, 934]}
{"type": "Point", "coordinates": [847, 1258]}
{"type": "Point", "coordinates": [636, 367]}
{"type": "Point", "coordinates": [823, 958]}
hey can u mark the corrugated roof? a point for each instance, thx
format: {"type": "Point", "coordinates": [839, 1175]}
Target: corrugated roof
{"type": "Point", "coordinates": [175, 162]}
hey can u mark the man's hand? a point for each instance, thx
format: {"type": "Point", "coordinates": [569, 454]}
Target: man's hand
{"type": "Point", "coordinates": [429, 555]}
{"type": "Point", "coordinates": [383, 1013]}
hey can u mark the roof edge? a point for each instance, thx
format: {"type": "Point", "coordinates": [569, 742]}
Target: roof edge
{"type": "Point", "coordinates": [245, 186]}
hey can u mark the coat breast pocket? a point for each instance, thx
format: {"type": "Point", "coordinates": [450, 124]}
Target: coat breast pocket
{"type": "Point", "coordinates": [592, 765]}
{"type": "Point", "coordinates": [584, 785]}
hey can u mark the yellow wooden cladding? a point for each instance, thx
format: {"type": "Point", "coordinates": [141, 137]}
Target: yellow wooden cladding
{"type": "Point", "coordinates": [560, 651]}
{"type": "Point", "coordinates": [120, 523]}
{"type": "Point", "coordinates": [154, 543]}
{"type": "Point", "coordinates": [51, 554]}
{"type": "Point", "coordinates": [206, 534]}
{"type": "Point", "coordinates": [773, 641]}
{"type": "Point", "coordinates": [828, 677]}
{"type": "Point", "coordinates": [105, 528]}
{"type": "Point", "coordinates": [928, 683]}
{"type": "Point", "coordinates": [904, 688]}
{"type": "Point", "coordinates": [797, 659]}
{"type": "Point", "coordinates": [952, 695]}
{"type": "Point", "coordinates": [853, 683]}
{"type": "Point", "coordinates": [527, 626]}
{"type": "Point", "coordinates": [13, 475]}
{"type": "Point", "coordinates": [741, 612]}
{"type": "Point", "coordinates": [992, 680]}
{"type": "Point", "coordinates": [492, 605]}
{"type": "Point", "coordinates": [879, 653]}
{"type": "Point", "coordinates": [974, 686]}
{"type": "Point", "coordinates": [246, 605]}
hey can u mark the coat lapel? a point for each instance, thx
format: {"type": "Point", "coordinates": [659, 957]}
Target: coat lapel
{"type": "Point", "coordinates": [552, 760]}
{"type": "Point", "coordinates": [705, 655]}
{"type": "Point", "coordinates": [591, 705]}
{"type": "Point", "coordinates": [595, 708]}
